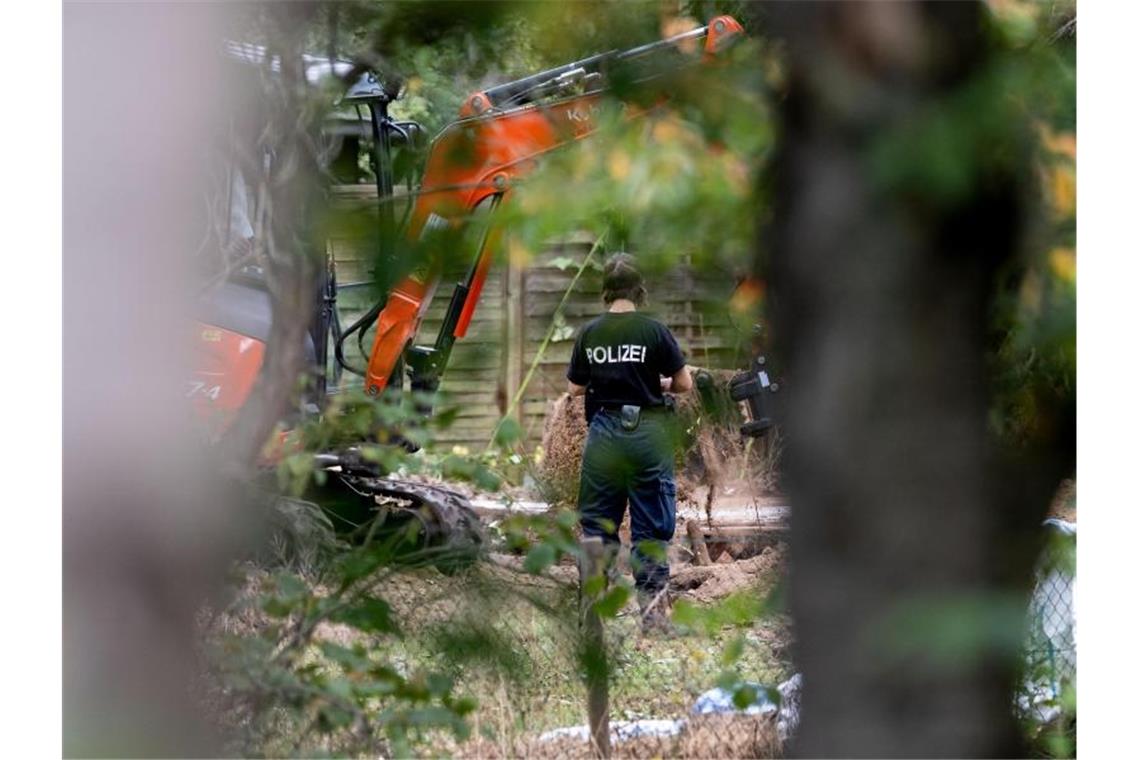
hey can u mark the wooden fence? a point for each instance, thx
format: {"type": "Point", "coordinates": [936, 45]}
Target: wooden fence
{"type": "Point", "coordinates": [513, 316]}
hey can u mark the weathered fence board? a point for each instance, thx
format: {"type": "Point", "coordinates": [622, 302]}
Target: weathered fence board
{"type": "Point", "coordinates": [513, 317]}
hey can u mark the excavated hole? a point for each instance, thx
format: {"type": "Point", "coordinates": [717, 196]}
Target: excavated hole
{"type": "Point", "coordinates": [725, 548]}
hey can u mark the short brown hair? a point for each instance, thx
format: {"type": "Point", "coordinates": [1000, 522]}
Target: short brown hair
{"type": "Point", "coordinates": [620, 279]}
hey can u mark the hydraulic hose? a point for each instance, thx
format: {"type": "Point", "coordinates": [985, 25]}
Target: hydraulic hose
{"type": "Point", "coordinates": [362, 324]}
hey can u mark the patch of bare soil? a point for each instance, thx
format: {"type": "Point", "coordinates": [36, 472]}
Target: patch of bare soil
{"type": "Point", "coordinates": [711, 582]}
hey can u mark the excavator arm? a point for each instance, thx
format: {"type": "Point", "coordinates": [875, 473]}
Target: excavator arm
{"type": "Point", "coordinates": [501, 134]}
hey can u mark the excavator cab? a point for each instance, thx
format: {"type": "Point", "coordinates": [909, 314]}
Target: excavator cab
{"type": "Point", "coordinates": [235, 311]}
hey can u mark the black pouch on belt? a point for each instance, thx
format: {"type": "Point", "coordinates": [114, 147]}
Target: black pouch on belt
{"type": "Point", "coordinates": [630, 417]}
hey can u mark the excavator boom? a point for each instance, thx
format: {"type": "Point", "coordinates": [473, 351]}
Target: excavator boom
{"type": "Point", "coordinates": [503, 131]}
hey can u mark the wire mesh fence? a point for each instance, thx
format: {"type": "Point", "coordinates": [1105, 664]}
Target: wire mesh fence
{"type": "Point", "coordinates": [515, 641]}
{"type": "Point", "coordinates": [1051, 648]}
{"type": "Point", "coordinates": [720, 683]}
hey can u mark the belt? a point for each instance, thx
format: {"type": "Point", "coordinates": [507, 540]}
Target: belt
{"type": "Point", "coordinates": [616, 408]}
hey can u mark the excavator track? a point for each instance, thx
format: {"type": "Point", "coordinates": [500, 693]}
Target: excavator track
{"type": "Point", "coordinates": [447, 517]}
{"type": "Point", "coordinates": [433, 522]}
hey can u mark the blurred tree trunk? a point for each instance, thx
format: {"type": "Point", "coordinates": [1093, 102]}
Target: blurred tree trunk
{"type": "Point", "coordinates": [147, 531]}
{"type": "Point", "coordinates": [294, 198]}
{"type": "Point", "coordinates": [913, 531]}
{"type": "Point", "coordinates": [150, 529]}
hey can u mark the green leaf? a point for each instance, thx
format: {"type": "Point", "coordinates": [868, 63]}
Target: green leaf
{"type": "Point", "coordinates": [567, 518]}
{"type": "Point", "coordinates": [744, 696]}
{"type": "Point", "coordinates": [350, 659]}
{"type": "Point", "coordinates": [438, 684]}
{"type": "Point", "coordinates": [444, 418]}
{"type": "Point", "coordinates": [332, 718]}
{"type": "Point", "coordinates": [613, 601]}
{"type": "Point", "coordinates": [508, 431]}
{"type": "Point", "coordinates": [733, 651]}
{"type": "Point", "coordinates": [740, 608]}
{"type": "Point", "coordinates": [375, 688]}
{"type": "Point", "coordinates": [370, 614]}
{"type": "Point", "coordinates": [454, 466]}
{"type": "Point", "coordinates": [486, 479]}
{"type": "Point", "coordinates": [540, 557]}
{"type": "Point", "coordinates": [289, 593]}
{"type": "Point", "coordinates": [728, 680]}
{"type": "Point", "coordinates": [360, 563]}
{"type": "Point", "coordinates": [340, 687]}
{"type": "Point", "coordinates": [465, 705]}
{"type": "Point", "coordinates": [653, 550]}
{"type": "Point", "coordinates": [688, 614]}
{"type": "Point", "coordinates": [594, 585]}
{"type": "Point", "coordinates": [290, 587]}
{"type": "Point", "coordinates": [276, 608]}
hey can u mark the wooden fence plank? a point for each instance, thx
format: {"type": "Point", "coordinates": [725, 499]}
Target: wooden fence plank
{"type": "Point", "coordinates": [513, 317]}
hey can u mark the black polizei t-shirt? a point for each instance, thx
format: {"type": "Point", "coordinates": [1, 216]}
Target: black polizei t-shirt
{"type": "Point", "coordinates": [620, 358]}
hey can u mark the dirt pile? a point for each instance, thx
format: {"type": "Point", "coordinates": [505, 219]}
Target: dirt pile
{"type": "Point", "coordinates": [563, 439]}
{"type": "Point", "coordinates": [711, 582]}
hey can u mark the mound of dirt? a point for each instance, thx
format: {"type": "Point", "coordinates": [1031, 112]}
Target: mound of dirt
{"type": "Point", "coordinates": [711, 582]}
{"type": "Point", "coordinates": [563, 439]}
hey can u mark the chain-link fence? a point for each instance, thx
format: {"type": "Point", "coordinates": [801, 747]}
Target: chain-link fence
{"type": "Point", "coordinates": [515, 640]}
{"type": "Point", "coordinates": [1051, 649]}
{"type": "Point", "coordinates": [720, 684]}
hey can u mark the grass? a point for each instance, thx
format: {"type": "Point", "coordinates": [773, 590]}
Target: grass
{"type": "Point", "coordinates": [507, 638]}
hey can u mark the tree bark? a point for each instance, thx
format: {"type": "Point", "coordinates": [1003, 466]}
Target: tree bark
{"type": "Point", "coordinates": [293, 194]}
{"type": "Point", "coordinates": [909, 521]}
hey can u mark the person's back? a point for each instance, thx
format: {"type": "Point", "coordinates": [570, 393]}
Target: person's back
{"type": "Point", "coordinates": [625, 355]}
{"type": "Point", "coordinates": [623, 362]}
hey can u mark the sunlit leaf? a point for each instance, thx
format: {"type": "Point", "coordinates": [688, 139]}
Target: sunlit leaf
{"type": "Point", "coordinates": [612, 601]}
{"type": "Point", "coordinates": [369, 614]}
{"type": "Point", "coordinates": [539, 558]}
{"type": "Point", "coordinates": [1063, 263]}
{"type": "Point", "coordinates": [732, 651]}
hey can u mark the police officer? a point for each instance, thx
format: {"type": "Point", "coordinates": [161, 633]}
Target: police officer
{"type": "Point", "coordinates": [623, 362]}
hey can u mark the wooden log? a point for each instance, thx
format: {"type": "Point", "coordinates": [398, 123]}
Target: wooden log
{"type": "Point", "coordinates": [697, 541]}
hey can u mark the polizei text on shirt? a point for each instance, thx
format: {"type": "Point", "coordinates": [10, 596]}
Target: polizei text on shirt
{"type": "Point", "coordinates": [626, 352]}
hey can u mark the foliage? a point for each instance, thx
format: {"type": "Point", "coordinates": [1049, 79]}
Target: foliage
{"type": "Point", "coordinates": [671, 173]}
{"type": "Point", "coordinates": [434, 53]}
{"type": "Point", "coordinates": [291, 684]}
{"type": "Point", "coordinates": [671, 181]}
{"type": "Point", "coordinates": [1047, 699]}
{"type": "Point", "coordinates": [1035, 359]}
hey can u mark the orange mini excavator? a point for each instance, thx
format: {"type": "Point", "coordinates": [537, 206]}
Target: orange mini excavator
{"type": "Point", "coordinates": [503, 131]}
{"type": "Point", "coordinates": [471, 165]}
